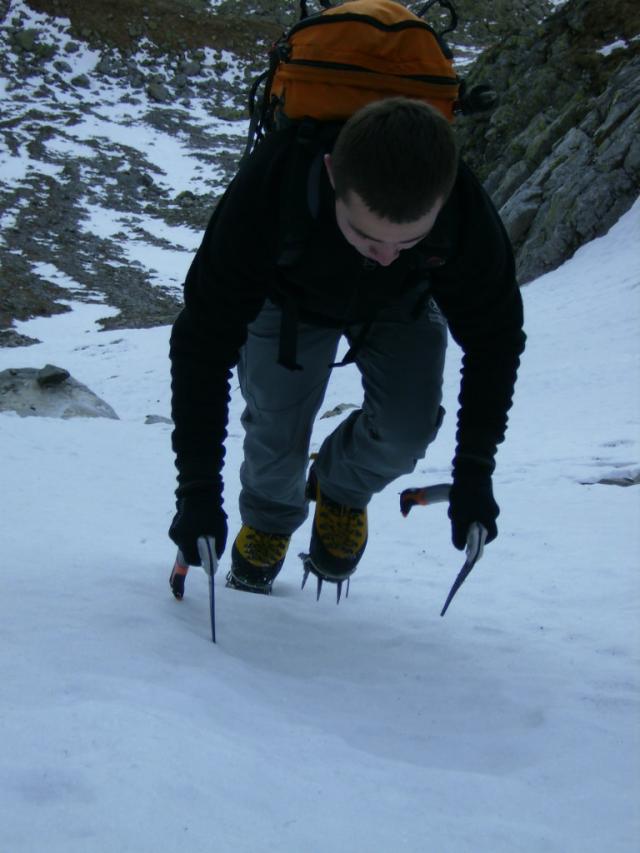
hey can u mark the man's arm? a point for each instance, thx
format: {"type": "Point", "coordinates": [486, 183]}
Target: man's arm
{"type": "Point", "coordinates": [224, 290]}
{"type": "Point", "coordinates": [479, 295]}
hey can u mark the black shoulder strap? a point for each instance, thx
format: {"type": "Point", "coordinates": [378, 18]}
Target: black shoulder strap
{"type": "Point", "coordinates": [300, 201]}
{"type": "Point", "coordinates": [288, 343]}
{"type": "Point", "coordinates": [299, 210]}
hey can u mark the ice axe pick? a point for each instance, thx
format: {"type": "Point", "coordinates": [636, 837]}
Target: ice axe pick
{"type": "Point", "coordinates": [476, 537]}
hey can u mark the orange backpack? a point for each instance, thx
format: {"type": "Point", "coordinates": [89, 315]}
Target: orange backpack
{"type": "Point", "coordinates": [330, 64]}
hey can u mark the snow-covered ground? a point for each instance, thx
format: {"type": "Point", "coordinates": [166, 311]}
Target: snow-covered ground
{"type": "Point", "coordinates": [86, 149]}
{"type": "Point", "coordinates": [509, 725]}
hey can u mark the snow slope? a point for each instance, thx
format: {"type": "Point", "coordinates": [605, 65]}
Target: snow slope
{"type": "Point", "coordinates": [509, 725]}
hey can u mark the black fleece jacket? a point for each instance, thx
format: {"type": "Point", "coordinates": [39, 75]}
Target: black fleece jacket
{"type": "Point", "coordinates": [241, 262]}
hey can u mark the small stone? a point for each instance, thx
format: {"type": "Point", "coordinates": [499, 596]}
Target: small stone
{"type": "Point", "coordinates": [158, 92]}
{"type": "Point", "coordinates": [62, 67]}
{"type": "Point", "coordinates": [105, 66]}
{"type": "Point", "coordinates": [186, 199]}
{"type": "Point", "coordinates": [81, 81]}
{"type": "Point", "coordinates": [26, 39]}
{"type": "Point", "coordinates": [190, 68]}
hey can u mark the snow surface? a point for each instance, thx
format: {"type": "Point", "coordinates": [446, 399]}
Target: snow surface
{"type": "Point", "coordinates": [509, 725]}
{"type": "Point", "coordinates": [608, 49]}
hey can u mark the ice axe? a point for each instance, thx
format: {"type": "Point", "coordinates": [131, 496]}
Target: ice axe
{"type": "Point", "coordinates": [476, 535]}
{"type": "Point", "coordinates": [207, 551]}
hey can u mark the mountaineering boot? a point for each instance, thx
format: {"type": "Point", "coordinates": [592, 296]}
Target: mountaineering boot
{"type": "Point", "coordinates": [338, 538]}
{"type": "Point", "coordinates": [256, 559]}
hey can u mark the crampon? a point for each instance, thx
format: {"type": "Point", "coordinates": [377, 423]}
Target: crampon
{"type": "Point", "coordinates": [261, 587]}
{"type": "Point", "coordinates": [310, 568]}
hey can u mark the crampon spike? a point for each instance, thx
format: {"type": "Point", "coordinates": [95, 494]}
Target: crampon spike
{"type": "Point", "coordinates": [308, 568]}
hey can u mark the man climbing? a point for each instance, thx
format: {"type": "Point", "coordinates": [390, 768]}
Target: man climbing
{"type": "Point", "coordinates": [382, 236]}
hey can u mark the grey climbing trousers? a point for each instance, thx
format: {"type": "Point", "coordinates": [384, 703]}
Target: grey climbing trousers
{"type": "Point", "coordinates": [401, 361]}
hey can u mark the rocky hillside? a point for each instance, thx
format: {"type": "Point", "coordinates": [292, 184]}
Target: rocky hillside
{"type": "Point", "coordinates": [561, 154]}
{"type": "Point", "coordinates": [119, 130]}
{"type": "Point", "coordinates": [122, 121]}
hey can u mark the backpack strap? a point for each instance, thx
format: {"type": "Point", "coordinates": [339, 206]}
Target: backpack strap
{"type": "Point", "coordinates": [300, 201]}
{"type": "Point", "coordinates": [299, 206]}
{"type": "Point", "coordinates": [299, 209]}
{"type": "Point", "coordinates": [288, 344]}
{"type": "Point", "coordinates": [355, 346]}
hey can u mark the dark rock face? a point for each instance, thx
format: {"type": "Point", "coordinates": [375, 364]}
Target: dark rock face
{"type": "Point", "coordinates": [561, 154]}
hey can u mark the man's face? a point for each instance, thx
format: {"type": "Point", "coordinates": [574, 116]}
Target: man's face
{"type": "Point", "coordinates": [374, 237]}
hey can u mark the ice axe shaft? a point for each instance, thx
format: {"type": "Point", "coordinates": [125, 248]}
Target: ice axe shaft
{"type": "Point", "coordinates": [207, 552]}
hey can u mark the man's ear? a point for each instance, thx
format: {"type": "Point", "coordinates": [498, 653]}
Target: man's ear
{"type": "Point", "coordinates": [329, 168]}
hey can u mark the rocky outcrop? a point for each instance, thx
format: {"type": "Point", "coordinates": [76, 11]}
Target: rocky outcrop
{"type": "Point", "coordinates": [561, 154]}
{"type": "Point", "coordinates": [50, 392]}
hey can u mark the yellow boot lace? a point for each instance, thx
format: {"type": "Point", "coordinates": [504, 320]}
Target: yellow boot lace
{"type": "Point", "coordinates": [261, 549]}
{"type": "Point", "coordinates": [342, 529]}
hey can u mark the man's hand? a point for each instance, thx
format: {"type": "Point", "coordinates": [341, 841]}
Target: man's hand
{"type": "Point", "coordinates": [199, 513]}
{"type": "Point", "coordinates": [471, 499]}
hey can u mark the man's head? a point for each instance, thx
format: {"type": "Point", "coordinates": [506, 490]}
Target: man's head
{"type": "Point", "coordinates": [392, 168]}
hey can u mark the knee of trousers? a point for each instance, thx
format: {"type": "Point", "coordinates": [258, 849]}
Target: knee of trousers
{"type": "Point", "coordinates": [405, 436]}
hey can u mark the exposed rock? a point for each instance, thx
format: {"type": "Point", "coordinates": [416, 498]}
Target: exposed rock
{"type": "Point", "coordinates": [62, 66]}
{"type": "Point", "coordinates": [81, 81]}
{"type": "Point", "coordinates": [560, 155]}
{"type": "Point", "coordinates": [158, 92]}
{"type": "Point", "coordinates": [23, 392]}
{"type": "Point", "coordinates": [51, 375]}
{"type": "Point", "coordinates": [624, 477]}
{"type": "Point", "coordinates": [190, 68]}
{"type": "Point", "coordinates": [26, 39]}
{"type": "Point", "coordinates": [621, 481]}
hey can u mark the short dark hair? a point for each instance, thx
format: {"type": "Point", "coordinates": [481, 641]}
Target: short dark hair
{"type": "Point", "coordinates": [399, 155]}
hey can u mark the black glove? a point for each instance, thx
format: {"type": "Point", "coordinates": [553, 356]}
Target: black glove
{"type": "Point", "coordinates": [199, 513]}
{"type": "Point", "coordinates": [471, 499]}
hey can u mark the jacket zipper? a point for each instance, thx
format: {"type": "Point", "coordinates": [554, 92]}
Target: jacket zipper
{"type": "Point", "coordinates": [339, 66]}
